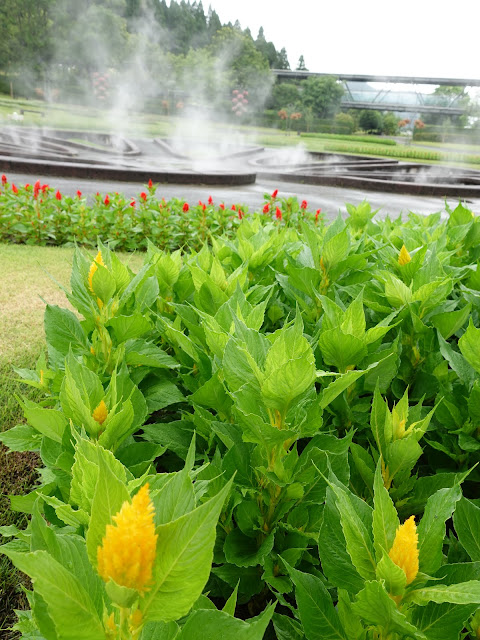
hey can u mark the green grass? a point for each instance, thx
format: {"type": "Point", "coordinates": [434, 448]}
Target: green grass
{"type": "Point", "coordinates": [25, 287]}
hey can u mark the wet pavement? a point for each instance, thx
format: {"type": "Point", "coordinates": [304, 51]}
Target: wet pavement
{"type": "Point", "coordinates": [330, 199]}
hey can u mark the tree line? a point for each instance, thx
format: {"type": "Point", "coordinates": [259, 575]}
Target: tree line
{"type": "Point", "coordinates": [68, 43]}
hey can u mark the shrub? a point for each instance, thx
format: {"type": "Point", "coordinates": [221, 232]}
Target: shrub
{"type": "Point", "coordinates": [370, 121]}
{"type": "Point", "coordinates": [344, 123]}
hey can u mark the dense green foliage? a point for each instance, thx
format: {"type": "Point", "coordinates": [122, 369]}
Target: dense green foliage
{"type": "Point", "coordinates": [371, 121]}
{"type": "Point", "coordinates": [331, 376]}
{"type": "Point", "coordinates": [81, 50]}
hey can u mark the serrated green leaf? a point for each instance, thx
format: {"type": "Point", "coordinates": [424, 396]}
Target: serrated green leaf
{"type": "Point", "coordinates": [315, 607]}
{"type": "Point", "coordinates": [431, 530]}
{"type": "Point", "coordinates": [466, 520]}
{"type": "Point", "coordinates": [374, 605]}
{"type": "Point", "coordinates": [69, 604]}
{"type": "Point", "coordinates": [182, 568]}
{"type": "Point", "coordinates": [385, 518]}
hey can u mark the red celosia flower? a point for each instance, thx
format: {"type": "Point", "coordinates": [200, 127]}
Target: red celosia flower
{"type": "Point", "coordinates": [45, 187]}
{"type": "Point", "coordinates": [58, 195]}
{"type": "Point", "coordinates": [234, 208]}
{"type": "Point", "coordinates": [36, 188]}
{"type": "Point", "coordinates": [185, 207]}
{"type": "Point", "coordinates": [222, 206]}
{"type": "Point", "coordinates": [14, 188]}
{"type": "Point", "coordinates": [278, 214]}
{"type": "Point", "coordinates": [275, 193]}
{"type": "Point", "coordinates": [317, 214]}
{"type": "Point", "coordinates": [143, 196]}
{"type": "Point", "coordinates": [132, 203]}
{"type": "Point", "coordinates": [304, 204]}
{"type": "Point", "coordinates": [150, 184]}
{"type": "Point", "coordinates": [266, 208]}
{"type": "Point", "coordinates": [210, 200]}
{"type": "Point", "coordinates": [107, 200]}
{"type": "Point", "coordinates": [4, 179]}
{"type": "Point", "coordinates": [27, 186]}
{"type": "Point", "coordinates": [240, 214]}
{"type": "Point", "coordinates": [79, 194]}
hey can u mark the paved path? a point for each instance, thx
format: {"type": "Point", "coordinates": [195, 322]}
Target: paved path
{"type": "Point", "coordinates": [330, 199]}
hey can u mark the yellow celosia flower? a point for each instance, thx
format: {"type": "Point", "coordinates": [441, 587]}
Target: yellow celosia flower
{"type": "Point", "coordinates": [404, 551]}
{"type": "Point", "coordinates": [100, 413]}
{"type": "Point", "coordinates": [403, 256]}
{"type": "Point", "coordinates": [128, 548]}
{"type": "Point", "coordinates": [93, 267]}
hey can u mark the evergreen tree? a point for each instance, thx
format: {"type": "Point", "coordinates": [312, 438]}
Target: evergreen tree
{"type": "Point", "coordinates": [282, 60]}
{"type": "Point", "coordinates": [301, 64]}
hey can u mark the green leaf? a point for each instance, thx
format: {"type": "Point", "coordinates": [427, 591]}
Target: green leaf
{"type": "Point", "coordinates": [141, 352]}
{"type": "Point", "coordinates": [129, 327]}
{"type": "Point", "coordinates": [341, 349]}
{"type": "Point", "coordinates": [431, 530]}
{"type": "Point", "coordinates": [376, 607]}
{"type": "Point", "coordinates": [103, 283]}
{"type": "Point", "coordinates": [469, 345]}
{"type": "Point", "coordinates": [445, 621]}
{"type": "Point", "coordinates": [337, 564]}
{"type": "Point", "coordinates": [356, 532]}
{"type": "Point", "coordinates": [442, 621]}
{"type": "Point", "coordinates": [161, 394]}
{"type": "Point", "coordinates": [48, 422]}
{"type": "Point", "coordinates": [393, 577]}
{"type": "Point", "coordinates": [182, 568]}
{"type": "Point", "coordinates": [338, 386]}
{"type": "Point", "coordinates": [460, 593]}
{"type": "Point", "coordinates": [396, 292]}
{"type": "Point", "coordinates": [110, 494]}
{"type": "Point", "coordinates": [457, 362]}
{"type": "Point", "coordinates": [289, 368]}
{"type": "Point", "coordinates": [315, 607]}
{"type": "Point", "coordinates": [174, 497]}
{"type": "Point", "coordinates": [160, 631]}
{"type": "Point", "coordinates": [69, 604]}
{"type": "Point", "coordinates": [231, 603]}
{"type": "Point", "coordinates": [450, 322]}
{"type": "Point", "coordinates": [64, 331]}
{"type": "Point", "coordinates": [354, 318]}
{"type": "Point", "coordinates": [379, 416]}
{"type": "Point", "coordinates": [385, 518]}
{"type": "Point", "coordinates": [401, 456]}
{"type": "Point", "coordinates": [335, 249]}
{"type": "Point", "coordinates": [146, 293]}
{"type": "Point", "coordinates": [76, 405]}
{"type": "Point", "coordinates": [218, 625]}
{"type": "Point", "coordinates": [466, 520]}
{"type": "Point", "coordinates": [243, 550]}
{"type": "Point", "coordinates": [287, 628]}
{"type": "Point", "coordinates": [21, 438]}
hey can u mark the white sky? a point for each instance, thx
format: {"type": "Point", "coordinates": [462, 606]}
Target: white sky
{"type": "Point", "coordinates": [433, 38]}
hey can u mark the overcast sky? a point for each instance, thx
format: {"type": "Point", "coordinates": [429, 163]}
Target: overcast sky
{"type": "Point", "coordinates": [412, 37]}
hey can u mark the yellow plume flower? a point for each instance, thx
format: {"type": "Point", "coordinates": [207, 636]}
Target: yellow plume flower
{"type": "Point", "coordinates": [100, 413]}
{"type": "Point", "coordinates": [404, 551]}
{"type": "Point", "coordinates": [93, 267]}
{"type": "Point", "coordinates": [403, 256]}
{"type": "Point", "coordinates": [128, 549]}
